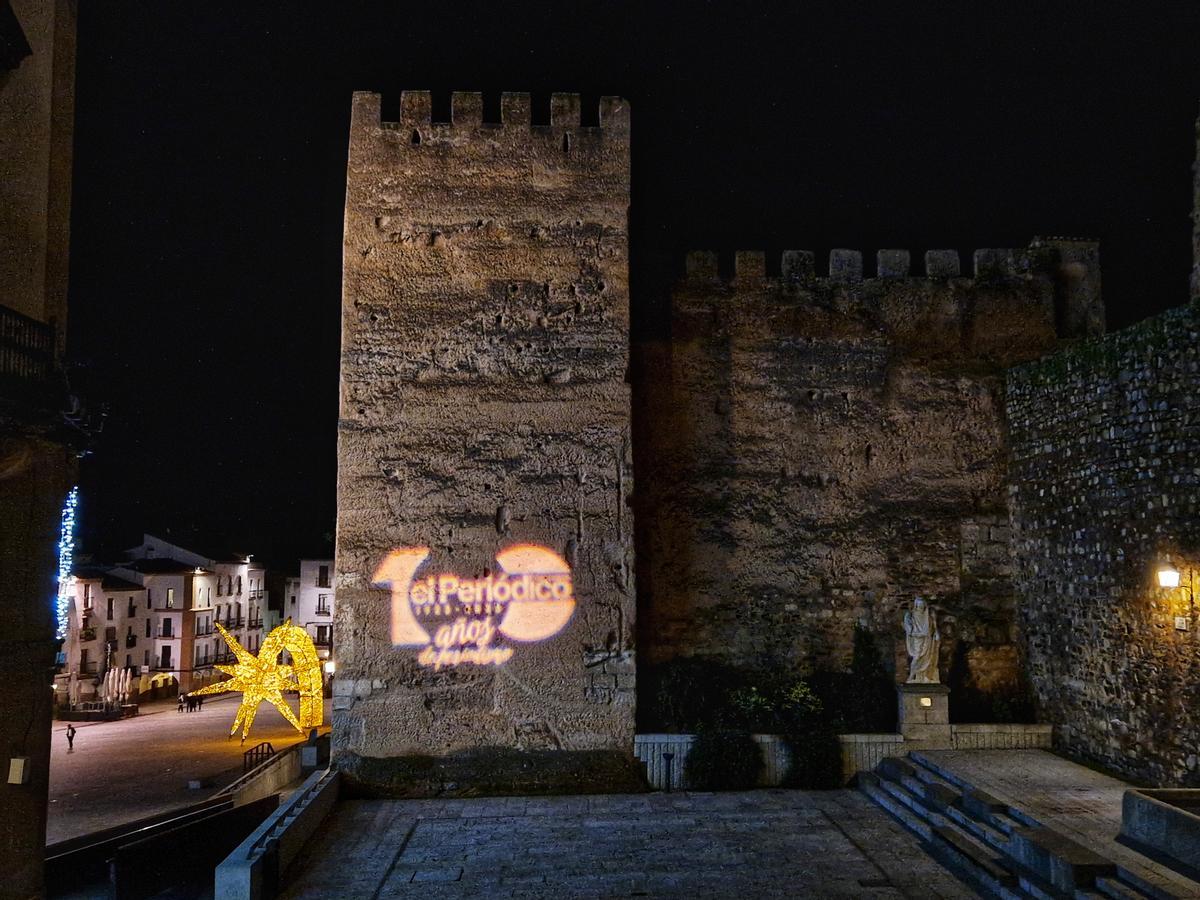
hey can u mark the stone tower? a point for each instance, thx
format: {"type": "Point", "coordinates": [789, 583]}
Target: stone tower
{"type": "Point", "coordinates": [484, 412]}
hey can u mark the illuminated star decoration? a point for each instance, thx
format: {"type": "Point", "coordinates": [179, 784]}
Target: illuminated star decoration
{"type": "Point", "coordinates": [261, 677]}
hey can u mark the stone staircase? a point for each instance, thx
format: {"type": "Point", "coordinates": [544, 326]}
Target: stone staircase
{"type": "Point", "coordinates": [998, 849]}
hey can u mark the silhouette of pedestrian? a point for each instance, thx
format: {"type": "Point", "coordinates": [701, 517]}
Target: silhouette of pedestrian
{"type": "Point", "coordinates": [70, 738]}
{"type": "Point", "coordinates": [180, 703]}
{"type": "Point", "coordinates": [199, 704]}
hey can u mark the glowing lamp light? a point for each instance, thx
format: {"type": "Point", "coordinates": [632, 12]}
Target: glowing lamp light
{"type": "Point", "coordinates": [927, 702]}
{"type": "Point", "coordinates": [1168, 575]}
{"type": "Point", "coordinates": [330, 667]}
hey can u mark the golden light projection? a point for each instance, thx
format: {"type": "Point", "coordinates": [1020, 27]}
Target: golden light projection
{"type": "Point", "coordinates": [262, 678]}
{"type": "Point", "coordinates": [530, 598]}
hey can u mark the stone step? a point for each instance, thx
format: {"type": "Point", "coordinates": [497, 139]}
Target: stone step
{"type": "Point", "coordinates": [1049, 863]}
{"type": "Point", "coordinates": [945, 841]}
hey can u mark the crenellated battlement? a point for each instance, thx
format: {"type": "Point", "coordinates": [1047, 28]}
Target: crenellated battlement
{"type": "Point", "coordinates": [799, 267]}
{"type": "Point", "coordinates": [516, 112]}
{"type": "Point", "coordinates": [1030, 295]}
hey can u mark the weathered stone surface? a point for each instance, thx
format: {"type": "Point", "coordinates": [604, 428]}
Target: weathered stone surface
{"type": "Point", "coordinates": [1106, 482]}
{"type": "Point", "coordinates": [822, 449]}
{"type": "Point", "coordinates": [484, 404]}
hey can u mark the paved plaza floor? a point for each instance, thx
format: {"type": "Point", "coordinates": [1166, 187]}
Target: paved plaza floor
{"type": "Point", "coordinates": [126, 770]}
{"type": "Point", "coordinates": [769, 843]}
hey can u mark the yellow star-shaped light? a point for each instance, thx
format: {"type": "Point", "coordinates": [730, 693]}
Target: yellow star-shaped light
{"type": "Point", "coordinates": [261, 677]}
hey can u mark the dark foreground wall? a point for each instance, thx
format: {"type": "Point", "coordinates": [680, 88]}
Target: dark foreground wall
{"type": "Point", "coordinates": [1106, 481]}
{"type": "Point", "coordinates": [823, 448]}
{"type": "Point", "coordinates": [485, 337]}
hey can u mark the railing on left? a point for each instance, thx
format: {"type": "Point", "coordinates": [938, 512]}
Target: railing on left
{"type": "Point", "coordinates": [26, 347]}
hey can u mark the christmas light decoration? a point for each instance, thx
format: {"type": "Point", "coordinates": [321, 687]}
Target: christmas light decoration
{"type": "Point", "coordinates": [66, 561]}
{"type": "Point", "coordinates": [261, 677]}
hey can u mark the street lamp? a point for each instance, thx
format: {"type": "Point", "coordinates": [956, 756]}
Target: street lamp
{"type": "Point", "coordinates": [330, 667]}
{"type": "Point", "coordinates": [1168, 575]}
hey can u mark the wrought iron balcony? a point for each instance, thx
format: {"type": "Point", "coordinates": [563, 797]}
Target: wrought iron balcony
{"type": "Point", "coordinates": [27, 351]}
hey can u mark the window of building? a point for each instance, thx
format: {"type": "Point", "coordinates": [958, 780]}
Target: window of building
{"type": "Point", "coordinates": [87, 596]}
{"type": "Point", "coordinates": [293, 599]}
{"type": "Point", "coordinates": [83, 660]}
{"type": "Point", "coordinates": [239, 585]}
{"type": "Point", "coordinates": [324, 635]}
{"type": "Point", "coordinates": [147, 631]}
{"type": "Point", "coordinates": [109, 609]}
{"type": "Point", "coordinates": [129, 660]}
{"type": "Point", "coordinates": [170, 598]}
{"type": "Point", "coordinates": [132, 608]}
{"type": "Point", "coordinates": [322, 576]}
{"type": "Point", "coordinates": [149, 599]}
{"type": "Point", "coordinates": [166, 657]}
{"type": "Point", "coordinates": [220, 586]}
{"type": "Point", "coordinates": [322, 604]}
{"type": "Point", "coordinates": [166, 628]}
{"type": "Point", "coordinates": [146, 657]}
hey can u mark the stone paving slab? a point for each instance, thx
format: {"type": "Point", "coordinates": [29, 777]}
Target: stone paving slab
{"type": "Point", "coordinates": [1081, 803]}
{"type": "Point", "coordinates": [770, 843]}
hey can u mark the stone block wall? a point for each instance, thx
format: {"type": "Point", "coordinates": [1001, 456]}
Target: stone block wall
{"type": "Point", "coordinates": [484, 403]}
{"type": "Point", "coordinates": [1106, 482]}
{"type": "Point", "coordinates": [824, 448]}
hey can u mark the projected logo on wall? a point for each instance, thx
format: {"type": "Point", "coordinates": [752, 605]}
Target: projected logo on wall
{"type": "Point", "coordinates": [458, 621]}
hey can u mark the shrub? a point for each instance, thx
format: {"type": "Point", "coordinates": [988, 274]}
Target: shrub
{"type": "Point", "coordinates": [816, 760]}
{"type": "Point", "coordinates": [723, 760]}
{"type": "Point", "coordinates": [689, 695]}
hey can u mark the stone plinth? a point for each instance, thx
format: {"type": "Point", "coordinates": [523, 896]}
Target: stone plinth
{"type": "Point", "coordinates": [925, 713]}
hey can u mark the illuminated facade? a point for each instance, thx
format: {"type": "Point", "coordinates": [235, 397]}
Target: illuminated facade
{"type": "Point", "coordinates": [484, 436]}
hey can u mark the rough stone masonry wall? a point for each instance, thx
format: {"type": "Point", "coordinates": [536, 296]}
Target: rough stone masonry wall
{"type": "Point", "coordinates": [1106, 481]}
{"type": "Point", "coordinates": [824, 448]}
{"type": "Point", "coordinates": [483, 404]}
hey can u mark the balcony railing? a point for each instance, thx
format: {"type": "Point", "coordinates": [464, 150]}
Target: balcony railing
{"type": "Point", "coordinates": [323, 641]}
{"type": "Point", "coordinates": [87, 634]}
{"type": "Point", "coordinates": [165, 633]}
{"type": "Point", "coordinates": [255, 623]}
{"type": "Point", "coordinates": [87, 668]}
{"type": "Point", "coordinates": [204, 630]}
{"type": "Point", "coordinates": [222, 658]}
{"type": "Point", "coordinates": [324, 611]}
{"type": "Point", "coordinates": [26, 347]}
{"type": "Point", "coordinates": [258, 595]}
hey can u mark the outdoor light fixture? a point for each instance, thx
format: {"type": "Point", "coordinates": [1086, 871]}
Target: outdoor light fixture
{"type": "Point", "coordinates": [1169, 579]}
{"type": "Point", "coordinates": [927, 702]}
{"type": "Point", "coordinates": [330, 667]}
{"type": "Point", "coordinates": [1168, 575]}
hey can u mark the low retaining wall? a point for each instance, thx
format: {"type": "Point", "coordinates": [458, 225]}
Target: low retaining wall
{"type": "Point", "coordinates": [266, 778]}
{"type": "Point", "coordinates": [254, 870]}
{"type": "Point", "coordinates": [860, 752]}
{"type": "Point", "coordinates": [651, 749]}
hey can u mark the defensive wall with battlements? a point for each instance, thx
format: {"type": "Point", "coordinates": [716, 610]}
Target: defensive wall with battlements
{"type": "Point", "coordinates": [823, 448]}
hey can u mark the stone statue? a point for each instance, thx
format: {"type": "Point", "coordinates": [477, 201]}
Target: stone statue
{"type": "Point", "coordinates": [923, 641]}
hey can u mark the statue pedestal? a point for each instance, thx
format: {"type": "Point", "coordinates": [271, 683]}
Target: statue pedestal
{"type": "Point", "coordinates": [925, 713]}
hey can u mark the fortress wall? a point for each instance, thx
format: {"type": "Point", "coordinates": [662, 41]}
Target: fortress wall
{"type": "Point", "coordinates": [485, 337]}
{"type": "Point", "coordinates": [824, 448]}
{"type": "Point", "coordinates": [1106, 484]}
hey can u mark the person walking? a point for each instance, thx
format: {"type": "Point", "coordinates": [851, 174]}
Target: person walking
{"type": "Point", "coordinates": [180, 703]}
{"type": "Point", "coordinates": [70, 738]}
{"type": "Point", "coordinates": [200, 704]}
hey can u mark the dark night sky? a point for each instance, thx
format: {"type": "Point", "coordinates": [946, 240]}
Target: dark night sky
{"type": "Point", "coordinates": [210, 166]}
